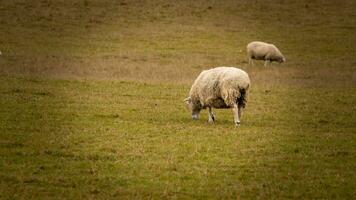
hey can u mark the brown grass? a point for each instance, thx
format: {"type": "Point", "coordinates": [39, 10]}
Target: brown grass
{"type": "Point", "coordinates": [167, 41]}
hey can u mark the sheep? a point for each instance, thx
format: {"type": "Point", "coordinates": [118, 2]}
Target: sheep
{"type": "Point", "coordinates": [264, 51]}
{"type": "Point", "coordinates": [221, 88]}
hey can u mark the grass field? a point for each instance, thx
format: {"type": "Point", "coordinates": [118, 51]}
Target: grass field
{"type": "Point", "coordinates": [91, 100]}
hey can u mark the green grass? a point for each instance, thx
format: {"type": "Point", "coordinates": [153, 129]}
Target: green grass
{"type": "Point", "coordinates": [91, 100]}
{"type": "Point", "coordinates": [121, 139]}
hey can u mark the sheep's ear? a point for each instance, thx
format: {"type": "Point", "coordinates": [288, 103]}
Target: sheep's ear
{"type": "Point", "coordinates": [188, 100]}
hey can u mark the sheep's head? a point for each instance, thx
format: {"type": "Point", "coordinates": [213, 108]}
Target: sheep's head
{"type": "Point", "coordinates": [193, 107]}
{"type": "Point", "coordinates": [282, 59]}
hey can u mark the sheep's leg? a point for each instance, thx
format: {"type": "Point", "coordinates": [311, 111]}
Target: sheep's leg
{"type": "Point", "coordinates": [250, 61]}
{"type": "Point", "coordinates": [240, 107]}
{"type": "Point", "coordinates": [266, 63]}
{"type": "Point", "coordinates": [211, 116]}
{"type": "Point", "coordinates": [237, 113]}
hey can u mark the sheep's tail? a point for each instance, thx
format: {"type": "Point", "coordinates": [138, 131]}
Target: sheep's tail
{"type": "Point", "coordinates": [242, 100]}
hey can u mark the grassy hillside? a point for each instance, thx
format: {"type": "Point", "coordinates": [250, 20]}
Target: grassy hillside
{"type": "Point", "coordinates": [91, 100]}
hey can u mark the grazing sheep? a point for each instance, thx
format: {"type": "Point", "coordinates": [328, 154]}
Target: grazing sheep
{"type": "Point", "coordinates": [221, 87]}
{"type": "Point", "coordinates": [264, 51]}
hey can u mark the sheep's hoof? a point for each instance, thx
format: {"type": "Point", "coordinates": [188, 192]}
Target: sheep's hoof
{"type": "Point", "coordinates": [237, 124]}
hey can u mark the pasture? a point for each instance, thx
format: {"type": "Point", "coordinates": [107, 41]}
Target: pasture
{"type": "Point", "coordinates": [91, 100]}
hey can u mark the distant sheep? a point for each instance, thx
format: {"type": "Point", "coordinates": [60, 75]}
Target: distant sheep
{"type": "Point", "coordinates": [264, 51]}
{"type": "Point", "coordinates": [221, 87]}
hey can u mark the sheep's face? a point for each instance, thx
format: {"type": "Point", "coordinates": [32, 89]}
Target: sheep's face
{"type": "Point", "coordinates": [282, 59]}
{"type": "Point", "coordinates": [194, 108]}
